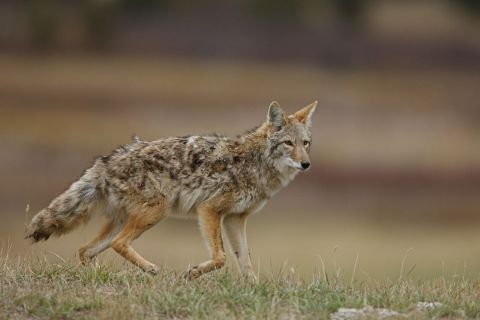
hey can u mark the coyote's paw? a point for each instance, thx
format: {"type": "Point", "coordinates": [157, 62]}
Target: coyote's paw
{"type": "Point", "coordinates": [152, 269]}
{"type": "Point", "coordinates": [192, 274]}
{"type": "Point", "coordinates": [85, 258]}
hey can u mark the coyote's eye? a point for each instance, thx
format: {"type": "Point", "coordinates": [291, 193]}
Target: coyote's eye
{"type": "Point", "coordinates": [306, 143]}
{"type": "Point", "coordinates": [288, 143]}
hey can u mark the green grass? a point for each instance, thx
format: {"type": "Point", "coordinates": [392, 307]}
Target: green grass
{"type": "Point", "coordinates": [44, 290]}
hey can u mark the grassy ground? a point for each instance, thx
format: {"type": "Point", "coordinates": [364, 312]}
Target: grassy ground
{"type": "Point", "coordinates": [36, 289]}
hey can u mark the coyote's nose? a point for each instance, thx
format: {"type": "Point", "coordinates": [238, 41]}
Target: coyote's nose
{"type": "Point", "coordinates": [305, 164]}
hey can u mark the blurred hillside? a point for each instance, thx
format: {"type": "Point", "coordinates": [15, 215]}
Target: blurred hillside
{"type": "Point", "coordinates": [383, 139]}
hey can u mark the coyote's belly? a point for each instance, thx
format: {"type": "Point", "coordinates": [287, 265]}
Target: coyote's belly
{"type": "Point", "coordinates": [186, 202]}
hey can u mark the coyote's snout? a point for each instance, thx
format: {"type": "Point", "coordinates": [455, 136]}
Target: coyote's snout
{"type": "Point", "coordinates": [219, 180]}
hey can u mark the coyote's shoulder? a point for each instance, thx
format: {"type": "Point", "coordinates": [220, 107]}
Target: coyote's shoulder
{"type": "Point", "coordinates": [211, 177]}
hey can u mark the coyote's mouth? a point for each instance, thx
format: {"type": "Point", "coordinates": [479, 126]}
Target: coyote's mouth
{"type": "Point", "coordinates": [295, 165]}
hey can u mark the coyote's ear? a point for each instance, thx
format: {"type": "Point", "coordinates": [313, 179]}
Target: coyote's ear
{"type": "Point", "coordinates": [304, 115]}
{"type": "Point", "coordinates": [276, 116]}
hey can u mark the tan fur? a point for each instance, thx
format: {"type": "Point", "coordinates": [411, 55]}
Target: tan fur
{"type": "Point", "coordinates": [138, 221]}
{"type": "Point", "coordinates": [219, 180]}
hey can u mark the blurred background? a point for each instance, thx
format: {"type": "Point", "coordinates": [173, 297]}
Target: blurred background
{"type": "Point", "coordinates": [396, 152]}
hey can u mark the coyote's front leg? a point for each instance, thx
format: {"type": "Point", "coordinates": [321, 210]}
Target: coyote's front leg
{"type": "Point", "coordinates": [210, 222]}
{"type": "Point", "coordinates": [234, 227]}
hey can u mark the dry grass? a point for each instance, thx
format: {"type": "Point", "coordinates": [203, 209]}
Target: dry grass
{"type": "Point", "coordinates": [37, 282]}
{"type": "Point", "coordinates": [37, 289]}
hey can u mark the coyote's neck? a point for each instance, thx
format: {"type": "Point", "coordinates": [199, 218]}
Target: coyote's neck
{"type": "Point", "coordinates": [254, 145]}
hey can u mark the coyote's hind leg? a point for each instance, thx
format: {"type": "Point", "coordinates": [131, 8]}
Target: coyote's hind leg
{"type": "Point", "coordinates": [139, 221]}
{"type": "Point", "coordinates": [101, 242]}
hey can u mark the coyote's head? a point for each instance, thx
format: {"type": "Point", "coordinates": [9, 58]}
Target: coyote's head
{"type": "Point", "coordinates": [289, 137]}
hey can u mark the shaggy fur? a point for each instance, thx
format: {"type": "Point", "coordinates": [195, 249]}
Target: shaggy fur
{"type": "Point", "coordinates": [219, 180]}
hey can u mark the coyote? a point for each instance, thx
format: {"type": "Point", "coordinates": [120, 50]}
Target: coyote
{"type": "Point", "coordinates": [220, 180]}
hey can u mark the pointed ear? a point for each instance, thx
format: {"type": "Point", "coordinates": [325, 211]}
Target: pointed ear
{"type": "Point", "coordinates": [304, 115]}
{"type": "Point", "coordinates": [276, 116]}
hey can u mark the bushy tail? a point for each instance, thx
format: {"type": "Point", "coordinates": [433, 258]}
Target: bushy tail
{"type": "Point", "coordinates": [67, 211]}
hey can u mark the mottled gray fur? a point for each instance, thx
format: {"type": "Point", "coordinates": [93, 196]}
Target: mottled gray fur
{"type": "Point", "coordinates": [240, 173]}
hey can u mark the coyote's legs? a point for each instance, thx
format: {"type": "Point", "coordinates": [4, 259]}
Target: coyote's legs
{"type": "Point", "coordinates": [234, 227]}
{"type": "Point", "coordinates": [210, 222]}
{"type": "Point", "coordinates": [135, 225]}
{"type": "Point", "coordinates": [101, 242]}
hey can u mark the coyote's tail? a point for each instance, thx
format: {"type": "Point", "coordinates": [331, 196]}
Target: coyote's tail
{"type": "Point", "coordinates": [67, 211]}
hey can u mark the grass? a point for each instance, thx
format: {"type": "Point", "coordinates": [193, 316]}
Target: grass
{"type": "Point", "coordinates": [38, 289]}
